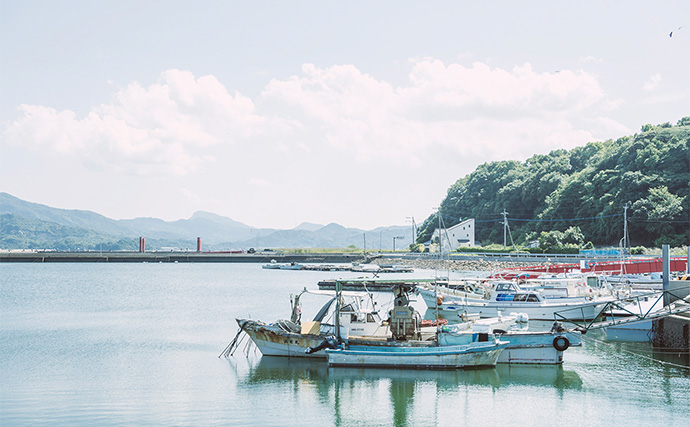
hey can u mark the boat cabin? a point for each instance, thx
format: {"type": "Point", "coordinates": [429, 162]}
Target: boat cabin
{"type": "Point", "coordinates": [509, 291]}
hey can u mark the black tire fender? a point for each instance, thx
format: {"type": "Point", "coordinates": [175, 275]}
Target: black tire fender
{"type": "Point", "coordinates": [561, 343]}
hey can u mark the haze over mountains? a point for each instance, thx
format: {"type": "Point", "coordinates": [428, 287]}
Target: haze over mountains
{"type": "Point", "coordinates": [27, 225]}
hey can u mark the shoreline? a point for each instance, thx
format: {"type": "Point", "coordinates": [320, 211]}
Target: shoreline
{"type": "Point", "coordinates": [456, 265]}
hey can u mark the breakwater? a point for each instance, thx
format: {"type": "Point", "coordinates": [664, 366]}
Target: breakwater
{"type": "Point", "coordinates": [161, 256]}
{"type": "Point", "coordinates": [476, 264]}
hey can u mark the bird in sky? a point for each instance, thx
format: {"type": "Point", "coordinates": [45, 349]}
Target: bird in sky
{"type": "Point", "coordinates": [671, 33]}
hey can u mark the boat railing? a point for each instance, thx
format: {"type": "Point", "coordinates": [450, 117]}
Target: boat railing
{"type": "Point", "coordinates": [622, 311]}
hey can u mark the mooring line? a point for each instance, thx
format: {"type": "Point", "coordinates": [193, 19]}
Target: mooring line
{"type": "Point", "coordinates": [641, 355]}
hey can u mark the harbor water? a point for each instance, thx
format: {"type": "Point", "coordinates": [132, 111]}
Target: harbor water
{"type": "Point", "coordinates": [138, 345]}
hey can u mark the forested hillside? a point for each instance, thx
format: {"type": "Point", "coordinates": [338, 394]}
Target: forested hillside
{"type": "Point", "coordinates": [587, 187]}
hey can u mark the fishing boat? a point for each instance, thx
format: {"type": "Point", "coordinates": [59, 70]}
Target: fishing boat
{"type": "Point", "coordinates": [420, 354]}
{"type": "Point", "coordinates": [434, 293]}
{"type": "Point", "coordinates": [525, 347]}
{"type": "Point", "coordinates": [273, 265]}
{"type": "Point", "coordinates": [405, 349]}
{"type": "Point", "coordinates": [358, 316]}
{"type": "Point", "coordinates": [509, 297]}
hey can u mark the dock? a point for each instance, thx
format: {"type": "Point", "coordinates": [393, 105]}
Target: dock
{"type": "Point", "coordinates": [366, 284]}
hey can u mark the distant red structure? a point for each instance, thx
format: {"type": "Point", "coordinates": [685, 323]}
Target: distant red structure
{"type": "Point", "coordinates": [142, 245]}
{"type": "Point", "coordinates": [198, 244]}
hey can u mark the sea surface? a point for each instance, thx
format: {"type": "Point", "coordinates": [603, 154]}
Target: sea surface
{"type": "Point", "coordinates": [139, 345]}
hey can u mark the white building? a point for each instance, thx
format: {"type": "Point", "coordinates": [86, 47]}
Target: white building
{"type": "Point", "coordinates": [461, 234]}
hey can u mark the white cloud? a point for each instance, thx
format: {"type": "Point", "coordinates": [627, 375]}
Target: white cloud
{"type": "Point", "coordinates": [490, 113]}
{"type": "Point", "coordinates": [160, 129]}
{"type": "Point", "coordinates": [653, 82]}
{"type": "Point", "coordinates": [476, 113]}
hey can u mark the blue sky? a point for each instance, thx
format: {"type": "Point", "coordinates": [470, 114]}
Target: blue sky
{"type": "Point", "coordinates": [275, 113]}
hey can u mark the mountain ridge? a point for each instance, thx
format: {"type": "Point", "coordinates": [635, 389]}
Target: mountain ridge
{"type": "Point", "coordinates": [29, 225]}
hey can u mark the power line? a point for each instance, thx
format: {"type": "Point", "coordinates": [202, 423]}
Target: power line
{"type": "Point", "coordinates": [565, 219]}
{"type": "Point", "coordinates": [665, 221]}
{"type": "Point", "coordinates": [540, 220]}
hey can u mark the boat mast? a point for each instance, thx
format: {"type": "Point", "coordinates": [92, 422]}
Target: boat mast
{"type": "Point", "coordinates": [338, 292]}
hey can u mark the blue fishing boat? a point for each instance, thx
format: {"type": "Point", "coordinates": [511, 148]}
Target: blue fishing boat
{"type": "Point", "coordinates": [405, 349]}
{"type": "Point", "coordinates": [421, 354]}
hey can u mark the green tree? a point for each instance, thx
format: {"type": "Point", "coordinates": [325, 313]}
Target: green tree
{"type": "Point", "coordinates": [568, 188]}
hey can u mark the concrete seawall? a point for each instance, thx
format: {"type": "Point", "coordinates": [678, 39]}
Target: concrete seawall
{"type": "Point", "coordinates": [205, 257]}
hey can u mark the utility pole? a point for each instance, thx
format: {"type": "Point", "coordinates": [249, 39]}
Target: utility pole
{"type": "Point", "coordinates": [440, 240]}
{"type": "Point", "coordinates": [505, 227]}
{"type": "Point", "coordinates": [625, 227]}
{"type": "Point", "coordinates": [414, 234]}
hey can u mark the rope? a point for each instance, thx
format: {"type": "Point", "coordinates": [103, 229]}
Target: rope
{"type": "Point", "coordinates": [642, 355]}
{"type": "Point", "coordinates": [234, 343]}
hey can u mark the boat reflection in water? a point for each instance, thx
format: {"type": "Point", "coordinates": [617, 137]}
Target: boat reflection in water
{"type": "Point", "coordinates": [413, 397]}
{"type": "Point", "coordinates": [271, 369]}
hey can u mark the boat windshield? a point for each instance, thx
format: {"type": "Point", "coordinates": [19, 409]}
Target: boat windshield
{"type": "Point", "coordinates": [505, 287]}
{"type": "Point", "coordinates": [526, 298]}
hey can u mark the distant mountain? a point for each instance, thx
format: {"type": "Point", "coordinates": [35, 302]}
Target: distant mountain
{"type": "Point", "coordinates": [18, 232]}
{"type": "Point", "coordinates": [66, 217]}
{"type": "Point", "coordinates": [27, 225]}
{"type": "Point", "coordinates": [210, 227]}
{"type": "Point", "coordinates": [333, 236]}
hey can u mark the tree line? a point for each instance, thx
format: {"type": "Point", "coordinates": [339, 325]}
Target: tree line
{"type": "Point", "coordinates": [643, 178]}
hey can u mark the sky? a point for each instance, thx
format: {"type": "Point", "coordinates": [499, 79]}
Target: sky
{"type": "Point", "coordinates": [275, 113]}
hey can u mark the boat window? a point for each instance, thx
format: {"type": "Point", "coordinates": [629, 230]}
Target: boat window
{"type": "Point", "coordinates": [532, 298]}
{"type": "Point", "coordinates": [520, 298]}
{"type": "Point", "coordinates": [370, 318]}
{"type": "Point", "coordinates": [354, 319]}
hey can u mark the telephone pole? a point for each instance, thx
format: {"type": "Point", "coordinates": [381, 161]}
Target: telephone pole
{"type": "Point", "coordinates": [505, 227]}
{"type": "Point", "coordinates": [414, 232]}
{"type": "Point", "coordinates": [625, 227]}
{"type": "Point", "coordinates": [440, 241]}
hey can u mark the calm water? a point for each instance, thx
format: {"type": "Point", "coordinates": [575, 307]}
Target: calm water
{"type": "Point", "coordinates": [138, 344]}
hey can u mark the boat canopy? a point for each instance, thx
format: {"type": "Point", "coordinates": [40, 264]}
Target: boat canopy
{"type": "Point", "coordinates": [324, 310]}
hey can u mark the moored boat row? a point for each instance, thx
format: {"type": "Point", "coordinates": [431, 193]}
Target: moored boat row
{"type": "Point", "coordinates": [356, 336]}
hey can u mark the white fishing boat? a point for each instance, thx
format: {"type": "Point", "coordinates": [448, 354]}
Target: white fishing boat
{"type": "Point", "coordinates": [573, 286]}
{"type": "Point", "coordinates": [292, 338]}
{"type": "Point", "coordinates": [509, 297]}
{"type": "Point", "coordinates": [641, 304]}
{"type": "Point", "coordinates": [434, 293]}
{"type": "Point", "coordinates": [525, 347]}
{"type": "Point", "coordinates": [273, 265]}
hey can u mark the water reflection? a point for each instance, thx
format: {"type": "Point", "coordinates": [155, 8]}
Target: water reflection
{"type": "Point", "coordinates": [399, 395]}
{"type": "Point", "coordinates": [280, 369]}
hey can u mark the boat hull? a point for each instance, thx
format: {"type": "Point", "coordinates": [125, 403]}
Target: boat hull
{"type": "Point", "coordinates": [536, 347]}
{"type": "Point", "coordinates": [586, 311]}
{"type": "Point", "coordinates": [437, 357]}
{"type": "Point", "coordinates": [527, 347]}
{"type": "Point", "coordinates": [272, 341]}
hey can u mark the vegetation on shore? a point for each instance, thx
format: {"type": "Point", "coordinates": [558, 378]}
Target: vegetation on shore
{"type": "Point", "coordinates": [587, 187]}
